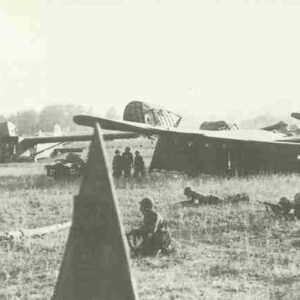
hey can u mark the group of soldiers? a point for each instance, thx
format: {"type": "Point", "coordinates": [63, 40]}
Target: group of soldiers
{"type": "Point", "coordinates": [123, 164]}
{"type": "Point", "coordinates": [285, 208]}
{"type": "Point", "coordinates": [153, 236]}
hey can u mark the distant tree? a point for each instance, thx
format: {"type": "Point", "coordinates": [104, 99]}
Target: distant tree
{"type": "Point", "coordinates": [61, 115]}
{"type": "Point", "coordinates": [70, 111]}
{"type": "Point", "coordinates": [259, 122]}
{"type": "Point", "coordinates": [49, 116]}
{"type": "Point", "coordinates": [2, 118]}
{"type": "Point", "coordinates": [26, 122]}
{"type": "Point", "coordinates": [112, 114]}
{"type": "Point", "coordinates": [29, 122]}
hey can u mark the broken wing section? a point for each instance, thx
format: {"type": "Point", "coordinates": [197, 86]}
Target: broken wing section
{"type": "Point", "coordinates": [30, 142]}
{"type": "Point", "coordinates": [141, 112]}
{"type": "Point", "coordinates": [146, 129]}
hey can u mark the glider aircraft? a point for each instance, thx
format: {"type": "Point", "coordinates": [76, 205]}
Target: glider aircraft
{"type": "Point", "coordinates": [12, 146]}
{"type": "Point", "coordinates": [192, 151]}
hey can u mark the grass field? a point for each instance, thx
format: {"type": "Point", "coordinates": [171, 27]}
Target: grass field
{"type": "Point", "coordinates": [222, 252]}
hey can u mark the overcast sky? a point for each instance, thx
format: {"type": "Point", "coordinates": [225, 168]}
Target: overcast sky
{"type": "Point", "coordinates": [223, 58]}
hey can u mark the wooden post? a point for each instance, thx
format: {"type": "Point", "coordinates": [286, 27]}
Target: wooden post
{"type": "Point", "coordinates": [96, 261]}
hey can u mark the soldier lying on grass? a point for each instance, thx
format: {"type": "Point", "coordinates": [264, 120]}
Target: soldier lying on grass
{"type": "Point", "coordinates": [284, 209]}
{"type": "Point", "coordinates": [153, 237]}
{"type": "Point", "coordinates": [196, 199]}
{"type": "Point", "coordinates": [297, 206]}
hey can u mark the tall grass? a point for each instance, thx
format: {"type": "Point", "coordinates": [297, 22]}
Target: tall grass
{"type": "Point", "coordinates": [222, 252]}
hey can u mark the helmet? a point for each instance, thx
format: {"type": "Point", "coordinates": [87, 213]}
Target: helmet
{"type": "Point", "coordinates": [187, 190]}
{"type": "Point", "coordinates": [137, 152]}
{"type": "Point", "coordinates": [284, 202]}
{"type": "Point", "coordinates": [127, 148]}
{"type": "Point", "coordinates": [297, 198]}
{"type": "Point", "coordinates": [117, 151]}
{"type": "Point", "coordinates": [147, 203]}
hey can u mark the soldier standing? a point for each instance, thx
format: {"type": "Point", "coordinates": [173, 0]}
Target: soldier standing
{"type": "Point", "coordinates": [117, 164]}
{"type": "Point", "coordinates": [138, 165]}
{"type": "Point", "coordinates": [127, 158]}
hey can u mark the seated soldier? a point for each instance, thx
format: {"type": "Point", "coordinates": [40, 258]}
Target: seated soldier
{"type": "Point", "coordinates": [297, 206]}
{"type": "Point", "coordinates": [153, 236]}
{"type": "Point", "coordinates": [196, 198]}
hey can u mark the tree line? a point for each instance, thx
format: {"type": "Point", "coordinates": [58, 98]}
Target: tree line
{"type": "Point", "coordinates": [30, 122]}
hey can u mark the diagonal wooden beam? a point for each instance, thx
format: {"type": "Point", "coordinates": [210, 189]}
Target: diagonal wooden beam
{"type": "Point", "coordinates": [96, 265]}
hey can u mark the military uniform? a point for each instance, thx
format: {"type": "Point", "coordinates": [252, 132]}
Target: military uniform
{"type": "Point", "coordinates": [117, 164]}
{"type": "Point", "coordinates": [297, 206]}
{"type": "Point", "coordinates": [196, 198]}
{"type": "Point", "coordinates": [286, 208]}
{"type": "Point", "coordinates": [154, 234]}
{"type": "Point", "coordinates": [237, 198]}
{"type": "Point", "coordinates": [138, 165]}
{"type": "Point", "coordinates": [127, 162]}
{"type": "Point", "coordinates": [152, 221]}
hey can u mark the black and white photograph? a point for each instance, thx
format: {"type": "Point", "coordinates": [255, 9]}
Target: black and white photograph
{"type": "Point", "coordinates": [149, 150]}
